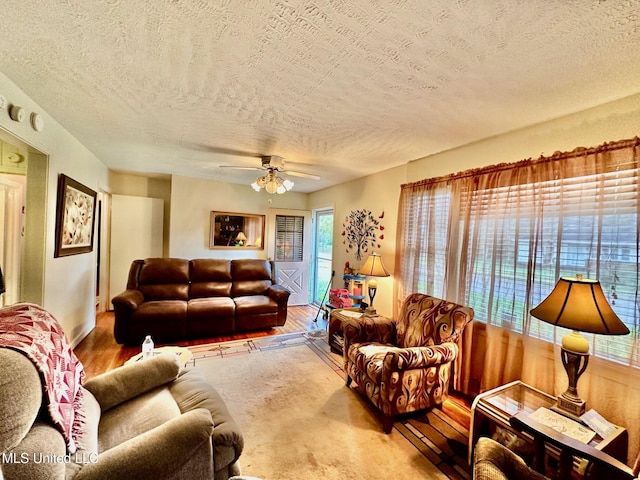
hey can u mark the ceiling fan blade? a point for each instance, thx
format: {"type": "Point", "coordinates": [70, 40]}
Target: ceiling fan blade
{"type": "Point", "coordinates": [222, 150]}
{"type": "Point", "coordinates": [240, 168]}
{"type": "Point", "coordinates": [302, 175]}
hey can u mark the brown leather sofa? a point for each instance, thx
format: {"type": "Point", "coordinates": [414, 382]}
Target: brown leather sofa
{"type": "Point", "coordinates": [174, 298]}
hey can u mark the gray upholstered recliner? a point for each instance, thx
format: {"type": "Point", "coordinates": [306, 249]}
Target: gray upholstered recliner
{"type": "Point", "coordinates": [150, 420]}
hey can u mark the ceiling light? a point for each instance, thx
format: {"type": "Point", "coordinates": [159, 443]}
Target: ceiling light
{"type": "Point", "coordinates": [288, 184]}
{"type": "Point", "coordinates": [272, 183]}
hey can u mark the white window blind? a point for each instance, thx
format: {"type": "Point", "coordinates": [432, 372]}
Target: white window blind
{"type": "Point", "coordinates": [424, 252]}
{"type": "Point", "coordinates": [289, 238]}
{"type": "Point", "coordinates": [505, 241]}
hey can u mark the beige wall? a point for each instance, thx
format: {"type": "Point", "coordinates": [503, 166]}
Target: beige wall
{"type": "Point", "coordinates": [193, 200]}
{"type": "Point", "coordinates": [69, 283]}
{"type": "Point", "coordinates": [613, 121]}
{"type": "Point", "coordinates": [610, 122]}
{"type": "Point", "coordinates": [377, 193]}
{"type": "Point", "coordinates": [150, 187]}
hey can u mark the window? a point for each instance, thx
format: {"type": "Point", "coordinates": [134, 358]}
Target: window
{"type": "Point", "coordinates": [498, 239]}
{"type": "Point", "coordinates": [289, 238]}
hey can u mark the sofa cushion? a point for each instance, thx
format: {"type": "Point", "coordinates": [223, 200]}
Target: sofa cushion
{"type": "Point", "coordinates": [42, 439]}
{"type": "Point", "coordinates": [254, 305]}
{"type": "Point", "coordinates": [250, 277]}
{"type": "Point", "coordinates": [210, 277]}
{"type": "Point", "coordinates": [210, 308]}
{"type": "Point", "coordinates": [210, 316]}
{"type": "Point", "coordinates": [164, 279]}
{"type": "Point", "coordinates": [20, 397]}
{"type": "Point", "coordinates": [250, 287]}
{"type": "Point", "coordinates": [164, 320]}
{"type": "Point", "coordinates": [135, 417]}
{"type": "Point", "coordinates": [251, 269]}
{"type": "Point", "coordinates": [161, 311]}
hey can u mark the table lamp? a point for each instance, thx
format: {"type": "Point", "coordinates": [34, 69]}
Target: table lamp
{"type": "Point", "coordinates": [579, 304]}
{"type": "Point", "coordinates": [241, 239]}
{"type": "Point", "coordinates": [373, 267]}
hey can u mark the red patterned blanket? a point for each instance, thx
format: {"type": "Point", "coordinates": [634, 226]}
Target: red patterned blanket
{"type": "Point", "coordinates": [32, 330]}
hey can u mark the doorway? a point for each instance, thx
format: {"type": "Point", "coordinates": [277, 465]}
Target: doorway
{"type": "Point", "coordinates": [289, 241]}
{"type": "Point", "coordinates": [12, 202]}
{"type": "Point", "coordinates": [22, 250]}
{"type": "Point", "coordinates": [322, 253]}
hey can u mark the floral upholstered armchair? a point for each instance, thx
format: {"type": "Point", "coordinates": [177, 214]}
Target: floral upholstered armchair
{"type": "Point", "coordinates": [404, 365]}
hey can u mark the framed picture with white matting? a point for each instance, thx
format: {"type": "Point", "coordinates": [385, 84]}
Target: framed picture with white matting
{"type": "Point", "coordinates": [75, 215]}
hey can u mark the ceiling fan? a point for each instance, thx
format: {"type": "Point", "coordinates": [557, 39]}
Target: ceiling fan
{"type": "Point", "coordinates": [275, 163]}
{"type": "Point", "coordinates": [271, 181]}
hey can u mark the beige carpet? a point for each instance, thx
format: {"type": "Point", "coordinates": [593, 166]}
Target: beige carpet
{"type": "Point", "coordinates": [301, 422]}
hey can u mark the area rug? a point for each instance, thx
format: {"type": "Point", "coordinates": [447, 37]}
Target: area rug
{"type": "Point", "coordinates": [301, 422]}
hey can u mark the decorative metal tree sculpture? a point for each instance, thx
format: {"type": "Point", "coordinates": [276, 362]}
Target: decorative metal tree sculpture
{"type": "Point", "coordinates": [362, 232]}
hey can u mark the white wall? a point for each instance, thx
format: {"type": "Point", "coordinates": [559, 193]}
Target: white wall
{"type": "Point", "coordinates": [193, 200]}
{"type": "Point", "coordinates": [69, 282]}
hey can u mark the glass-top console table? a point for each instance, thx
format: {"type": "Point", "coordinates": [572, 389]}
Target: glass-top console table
{"type": "Point", "coordinates": [492, 410]}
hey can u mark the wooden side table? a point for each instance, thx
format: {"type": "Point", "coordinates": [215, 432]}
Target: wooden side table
{"type": "Point", "coordinates": [336, 340]}
{"type": "Point", "coordinates": [184, 354]}
{"type": "Point", "coordinates": [492, 410]}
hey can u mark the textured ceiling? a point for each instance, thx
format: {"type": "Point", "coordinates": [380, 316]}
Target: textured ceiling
{"type": "Point", "coordinates": [338, 88]}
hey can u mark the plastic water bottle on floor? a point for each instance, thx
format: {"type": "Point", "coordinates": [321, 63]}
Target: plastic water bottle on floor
{"type": "Point", "coordinates": [147, 348]}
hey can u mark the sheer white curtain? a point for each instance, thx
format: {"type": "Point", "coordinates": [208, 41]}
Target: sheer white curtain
{"type": "Point", "coordinates": [498, 238]}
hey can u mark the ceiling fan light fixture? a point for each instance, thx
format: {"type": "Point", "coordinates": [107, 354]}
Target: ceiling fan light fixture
{"type": "Point", "coordinates": [271, 186]}
{"type": "Point", "coordinates": [288, 184]}
{"type": "Point", "coordinates": [272, 183]}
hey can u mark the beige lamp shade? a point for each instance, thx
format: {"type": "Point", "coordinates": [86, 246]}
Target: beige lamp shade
{"type": "Point", "coordinates": [374, 267]}
{"type": "Point", "coordinates": [241, 237]}
{"type": "Point", "coordinates": [580, 304]}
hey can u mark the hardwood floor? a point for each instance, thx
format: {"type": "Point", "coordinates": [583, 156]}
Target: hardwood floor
{"type": "Point", "coordinates": [99, 351]}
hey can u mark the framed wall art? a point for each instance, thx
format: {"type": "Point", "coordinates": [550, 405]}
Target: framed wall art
{"type": "Point", "coordinates": [75, 218]}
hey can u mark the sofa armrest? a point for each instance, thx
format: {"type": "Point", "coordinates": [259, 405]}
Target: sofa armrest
{"type": "Point", "coordinates": [129, 300]}
{"type": "Point", "coordinates": [123, 383]}
{"type": "Point", "coordinates": [398, 359]}
{"type": "Point", "coordinates": [493, 461]}
{"type": "Point", "coordinates": [279, 293]}
{"type": "Point", "coordinates": [368, 329]}
{"type": "Point", "coordinates": [158, 453]}
{"type": "Point", "coordinates": [192, 391]}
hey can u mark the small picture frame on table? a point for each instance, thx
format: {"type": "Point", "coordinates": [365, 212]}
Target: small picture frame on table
{"type": "Point", "coordinates": [75, 217]}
